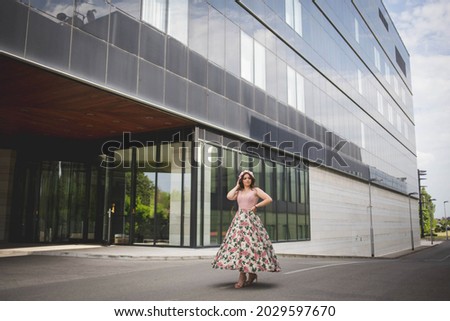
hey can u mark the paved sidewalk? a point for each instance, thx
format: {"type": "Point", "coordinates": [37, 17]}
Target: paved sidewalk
{"type": "Point", "coordinates": [288, 249]}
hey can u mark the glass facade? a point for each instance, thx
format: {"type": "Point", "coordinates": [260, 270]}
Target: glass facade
{"type": "Point", "coordinates": [286, 218]}
{"type": "Point", "coordinates": [60, 202]}
{"type": "Point", "coordinates": [307, 79]}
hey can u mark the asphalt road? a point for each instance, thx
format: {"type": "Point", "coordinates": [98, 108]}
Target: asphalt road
{"type": "Point", "coordinates": [424, 275]}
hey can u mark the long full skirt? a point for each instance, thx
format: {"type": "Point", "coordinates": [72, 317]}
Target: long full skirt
{"type": "Point", "coordinates": [246, 247]}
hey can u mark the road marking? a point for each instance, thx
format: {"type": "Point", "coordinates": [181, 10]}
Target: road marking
{"type": "Point", "coordinates": [321, 267]}
{"type": "Point", "coordinates": [441, 260]}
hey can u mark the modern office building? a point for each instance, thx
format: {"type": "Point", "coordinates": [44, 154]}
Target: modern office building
{"type": "Point", "coordinates": [129, 120]}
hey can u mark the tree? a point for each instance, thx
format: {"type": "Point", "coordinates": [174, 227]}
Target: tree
{"type": "Point", "coordinates": [428, 209]}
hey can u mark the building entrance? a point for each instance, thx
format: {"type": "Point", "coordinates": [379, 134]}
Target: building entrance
{"type": "Point", "coordinates": [56, 201]}
{"type": "Point", "coordinates": [148, 190]}
{"type": "Point", "coordinates": [142, 197]}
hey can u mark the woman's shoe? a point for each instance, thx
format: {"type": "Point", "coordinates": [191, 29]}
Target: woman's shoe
{"type": "Point", "coordinates": [241, 282]}
{"type": "Point", "coordinates": [252, 278]}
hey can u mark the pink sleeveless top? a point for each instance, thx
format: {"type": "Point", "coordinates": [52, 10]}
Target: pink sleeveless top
{"type": "Point", "coordinates": [247, 200]}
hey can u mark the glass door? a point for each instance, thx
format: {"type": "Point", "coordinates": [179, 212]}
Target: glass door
{"type": "Point", "coordinates": [145, 221]}
{"type": "Point", "coordinates": [56, 201]}
{"type": "Point", "coordinates": [63, 202]}
{"type": "Point", "coordinates": [145, 189]}
{"type": "Point", "coordinates": [26, 203]}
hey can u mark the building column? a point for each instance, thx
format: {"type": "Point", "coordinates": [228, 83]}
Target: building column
{"type": "Point", "coordinates": [7, 164]}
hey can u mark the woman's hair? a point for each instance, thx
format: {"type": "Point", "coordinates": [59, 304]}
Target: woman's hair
{"type": "Point", "coordinates": [241, 177]}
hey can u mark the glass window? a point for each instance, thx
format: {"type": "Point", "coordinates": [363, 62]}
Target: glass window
{"type": "Point", "coordinates": [377, 58]}
{"type": "Point", "coordinates": [253, 61]}
{"type": "Point", "coordinates": [260, 66]}
{"type": "Point", "coordinates": [295, 89]}
{"type": "Point", "coordinates": [187, 194]}
{"type": "Point", "coordinates": [211, 212]}
{"type": "Point", "coordinates": [246, 57]}
{"type": "Point", "coordinates": [403, 94]}
{"type": "Point", "coordinates": [387, 72]}
{"type": "Point", "coordinates": [356, 30]}
{"type": "Point", "coordinates": [294, 15]}
{"type": "Point", "coordinates": [281, 80]}
{"type": "Point", "coordinates": [124, 32]}
{"type": "Point", "coordinates": [232, 47]}
{"type": "Point", "coordinates": [363, 136]}
{"type": "Point", "coordinates": [380, 102]}
{"type": "Point", "coordinates": [302, 189]}
{"type": "Point", "coordinates": [60, 9]}
{"type": "Point", "coordinates": [230, 208]}
{"type": "Point", "coordinates": [96, 17]}
{"type": "Point", "coordinates": [291, 88]}
{"type": "Point", "coordinates": [300, 93]}
{"type": "Point", "coordinates": [198, 27]}
{"type": "Point", "coordinates": [177, 25]}
{"type": "Point", "coordinates": [390, 114]}
{"type": "Point", "coordinates": [298, 17]}
{"type": "Point", "coordinates": [360, 84]}
{"type": "Point", "coordinates": [281, 202]}
{"type": "Point", "coordinates": [399, 123]}
{"type": "Point", "coordinates": [290, 12]}
{"type": "Point", "coordinates": [271, 215]}
{"type": "Point", "coordinates": [396, 87]}
{"type": "Point", "coordinates": [216, 38]}
{"type": "Point", "coordinates": [154, 12]}
{"type": "Point", "coordinates": [132, 7]}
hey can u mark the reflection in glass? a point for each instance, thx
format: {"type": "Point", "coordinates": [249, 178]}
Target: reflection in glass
{"type": "Point", "coordinates": [281, 202]}
{"type": "Point", "coordinates": [211, 212]}
{"type": "Point", "coordinates": [216, 38]}
{"type": "Point", "coordinates": [132, 7]}
{"type": "Point", "coordinates": [60, 9]}
{"type": "Point", "coordinates": [63, 204]}
{"type": "Point", "coordinates": [198, 27]}
{"type": "Point", "coordinates": [246, 57]}
{"type": "Point", "coordinates": [260, 65]}
{"type": "Point", "coordinates": [291, 89]}
{"type": "Point", "coordinates": [154, 12]}
{"type": "Point", "coordinates": [294, 15]}
{"type": "Point", "coordinates": [232, 63]}
{"type": "Point", "coordinates": [271, 215]}
{"type": "Point", "coordinates": [95, 15]}
{"type": "Point", "coordinates": [177, 25]}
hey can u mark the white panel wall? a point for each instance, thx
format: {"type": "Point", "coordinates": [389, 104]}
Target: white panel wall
{"type": "Point", "coordinates": [340, 219]}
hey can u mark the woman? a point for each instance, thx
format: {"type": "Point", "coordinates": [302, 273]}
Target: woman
{"type": "Point", "coordinates": [247, 247]}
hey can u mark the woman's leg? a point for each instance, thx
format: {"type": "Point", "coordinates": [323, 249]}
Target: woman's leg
{"type": "Point", "coordinates": [241, 281]}
{"type": "Point", "coordinates": [252, 278]}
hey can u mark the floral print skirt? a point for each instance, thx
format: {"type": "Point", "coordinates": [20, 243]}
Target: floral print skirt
{"type": "Point", "coordinates": [246, 247]}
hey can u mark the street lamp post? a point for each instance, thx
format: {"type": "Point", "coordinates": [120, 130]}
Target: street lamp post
{"type": "Point", "coordinates": [420, 177]}
{"type": "Point", "coordinates": [372, 238]}
{"type": "Point", "coordinates": [446, 225]}
{"type": "Point", "coordinates": [410, 219]}
{"type": "Point", "coordinates": [431, 223]}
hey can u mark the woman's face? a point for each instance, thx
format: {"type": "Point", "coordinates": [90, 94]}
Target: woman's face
{"type": "Point", "coordinates": [247, 180]}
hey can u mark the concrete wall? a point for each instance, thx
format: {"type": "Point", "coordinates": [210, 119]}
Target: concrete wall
{"type": "Point", "coordinates": [340, 219]}
{"type": "Point", "coordinates": [7, 163]}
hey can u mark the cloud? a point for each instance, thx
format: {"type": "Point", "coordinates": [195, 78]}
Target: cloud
{"type": "Point", "coordinates": [423, 25]}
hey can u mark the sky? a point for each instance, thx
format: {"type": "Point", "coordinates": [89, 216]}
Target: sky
{"type": "Point", "coordinates": [424, 26]}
